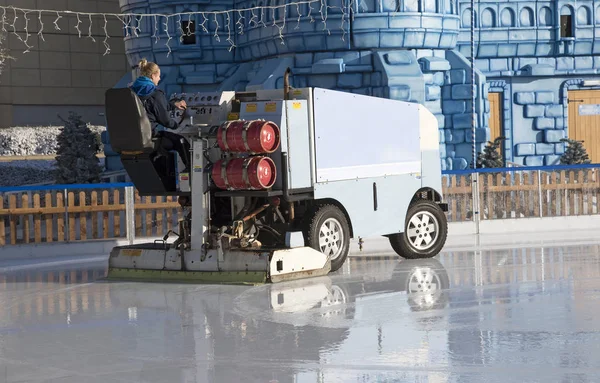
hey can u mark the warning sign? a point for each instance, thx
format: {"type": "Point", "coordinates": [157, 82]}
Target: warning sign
{"type": "Point", "coordinates": [250, 108]}
{"type": "Point", "coordinates": [297, 105]}
{"type": "Point", "coordinates": [270, 107]}
{"type": "Point", "coordinates": [131, 252]}
{"type": "Point", "coordinates": [233, 116]}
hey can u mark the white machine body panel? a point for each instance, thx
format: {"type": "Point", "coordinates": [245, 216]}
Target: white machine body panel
{"type": "Point", "coordinates": [346, 147]}
{"type": "Point", "coordinates": [299, 259]}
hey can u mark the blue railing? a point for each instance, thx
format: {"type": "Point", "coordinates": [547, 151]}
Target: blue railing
{"type": "Point", "coordinates": [12, 189]}
{"type": "Point", "coordinates": [520, 169]}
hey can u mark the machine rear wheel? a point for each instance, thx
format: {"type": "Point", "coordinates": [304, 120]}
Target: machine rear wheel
{"type": "Point", "coordinates": [424, 234]}
{"type": "Point", "coordinates": [327, 231]}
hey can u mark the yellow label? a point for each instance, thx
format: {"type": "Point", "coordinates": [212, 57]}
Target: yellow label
{"type": "Point", "coordinates": [270, 107]}
{"type": "Point", "coordinates": [250, 108]}
{"type": "Point", "coordinates": [233, 116]}
{"type": "Point", "coordinates": [131, 252]}
{"type": "Point", "coordinates": [297, 92]}
{"type": "Point", "coordinates": [297, 105]}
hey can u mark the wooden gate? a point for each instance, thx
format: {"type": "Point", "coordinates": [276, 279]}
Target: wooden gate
{"type": "Point", "coordinates": [496, 114]}
{"type": "Point", "coordinates": [584, 120]}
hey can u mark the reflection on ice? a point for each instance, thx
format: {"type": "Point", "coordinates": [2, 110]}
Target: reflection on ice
{"type": "Point", "coordinates": [520, 314]}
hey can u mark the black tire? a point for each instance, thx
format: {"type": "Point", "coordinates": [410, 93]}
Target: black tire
{"type": "Point", "coordinates": [404, 243]}
{"type": "Point", "coordinates": [319, 217]}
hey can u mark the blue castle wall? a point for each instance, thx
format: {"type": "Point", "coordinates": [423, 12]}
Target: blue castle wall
{"type": "Point", "coordinates": [415, 50]}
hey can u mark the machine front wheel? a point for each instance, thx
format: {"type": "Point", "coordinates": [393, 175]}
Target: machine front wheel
{"type": "Point", "coordinates": [425, 231]}
{"type": "Point", "coordinates": [327, 231]}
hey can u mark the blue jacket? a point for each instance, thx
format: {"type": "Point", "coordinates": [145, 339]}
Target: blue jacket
{"type": "Point", "coordinates": [155, 103]}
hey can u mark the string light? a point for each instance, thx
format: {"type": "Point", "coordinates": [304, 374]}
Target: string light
{"type": "Point", "coordinates": [4, 20]}
{"type": "Point", "coordinates": [235, 21]}
{"type": "Point", "coordinates": [229, 40]}
{"type": "Point", "coordinates": [77, 26]}
{"type": "Point", "coordinates": [168, 35]}
{"type": "Point", "coordinates": [106, 45]}
{"type": "Point", "coordinates": [40, 33]}
{"type": "Point", "coordinates": [155, 35]}
{"type": "Point", "coordinates": [26, 32]}
{"type": "Point", "coordinates": [240, 23]}
{"type": "Point", "coordinates": [58, 17]}
{"type": "Point", "coordinates": [90, 30]}
{"type": "Point", "coordinates": [203, 25]}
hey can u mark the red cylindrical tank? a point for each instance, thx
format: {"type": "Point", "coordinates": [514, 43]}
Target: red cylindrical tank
{"type": "Point", "coordinates": [256, 136]}
{"type": "Point", "coordinates": [251, 173]}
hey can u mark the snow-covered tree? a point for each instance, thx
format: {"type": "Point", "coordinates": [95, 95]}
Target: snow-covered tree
{"type": "Point", "coordinates": [575, 153]}
{"type": "Point", "coordinates": [491, 156]}
{"type": "Point", "coordinates": [76, 154]}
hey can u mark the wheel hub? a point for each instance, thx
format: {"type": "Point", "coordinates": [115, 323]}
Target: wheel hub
{"type": "Point", "coordinates": [331, 238]}
{"type": "Point", "coordinates": [423, 230]}
{"type": "Point", "coordinates": [426, 283]}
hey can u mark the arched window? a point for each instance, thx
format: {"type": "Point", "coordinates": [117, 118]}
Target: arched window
{"type": "Point", "coordinates": [488, 18]}
{"type": "Point", "coordinates": [566, 22]}
{"type": "Point", "coordinates": [466, 18]}
{"type": "Point", "coordinates": [545, 17]}
{"type": "Point", "coordinates": [526, 17]}
{"type": "Point", "coordinates": [584, 16]}
{"type": "Point", "coordinates": [507, 17]}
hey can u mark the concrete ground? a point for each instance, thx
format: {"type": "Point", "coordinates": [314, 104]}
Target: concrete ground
{"type": "Point", "coordinates": [499, 313]}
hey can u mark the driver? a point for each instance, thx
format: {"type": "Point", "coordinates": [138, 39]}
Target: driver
{"type": "Point", "coordinates": [157, 108]}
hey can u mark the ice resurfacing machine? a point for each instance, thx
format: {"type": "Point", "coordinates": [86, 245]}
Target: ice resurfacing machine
{"type": "Point", "coordinates": [280, 181]}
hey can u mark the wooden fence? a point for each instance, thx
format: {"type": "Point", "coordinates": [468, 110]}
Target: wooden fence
{"type": "Point", "coordinates": [80, 215]}
{"type": "Point", "coordinates": [523, 194]}
{"type": "Point", "coordinates": [62, 215]}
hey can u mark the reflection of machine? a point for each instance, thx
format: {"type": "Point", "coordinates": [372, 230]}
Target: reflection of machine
{"type": "Point", "coordinates": [280, 182]}
{"type": "Point", "coordinates": [421, 283]}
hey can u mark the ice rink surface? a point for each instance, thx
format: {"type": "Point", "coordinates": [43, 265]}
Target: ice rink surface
{"type": "Point", "coordinates": [513, 314]}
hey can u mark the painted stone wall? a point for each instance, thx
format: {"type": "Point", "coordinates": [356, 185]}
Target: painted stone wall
{"type": "Point", "coordinates": [393, 50]}
{"type": "Point", "coordinates": [529, 54]}
{"type": "Point", "coordinates": [542, 111]}
{"type": "Point", "coordinates": [415, 51]}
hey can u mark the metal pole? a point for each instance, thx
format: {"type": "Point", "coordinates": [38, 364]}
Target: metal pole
{"type": "Point", "coordinates": [66, 200]}
{"type": "Point", "coordinates": [474, 176]}
{"type": "Point", "coordinates": [129, 214]}
{"type": "Point", "coordinates": [540, 191]}
{"type": "Point", "coordinates": [475, 191]}
{"type": "Point", "coordinates": [473, 88]}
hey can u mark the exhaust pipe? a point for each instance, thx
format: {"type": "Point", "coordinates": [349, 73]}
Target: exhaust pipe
{"type": "Point", "coordinates": [286, 84]}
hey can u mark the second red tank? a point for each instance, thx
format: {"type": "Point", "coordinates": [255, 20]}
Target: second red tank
{"type": "Point", "coordinates": [255, 136]}
{"type": "Point", "coordinates": [252, 173]}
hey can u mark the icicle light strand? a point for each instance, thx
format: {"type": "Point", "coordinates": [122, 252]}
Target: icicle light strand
{"type": "Point", "coordinates": [233, 21]}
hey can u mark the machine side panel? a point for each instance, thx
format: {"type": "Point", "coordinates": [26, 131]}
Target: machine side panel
{"type": "Point", "coordinates": [298, 145]}
{"type": "Point", "coordinates": [392, 194]}
{"type": "Point", "coordinates": [431, 171]}
{"type": "Point", "coordinates": [359, 136]}
{"type": "Point", "coordinates": [199, 197]}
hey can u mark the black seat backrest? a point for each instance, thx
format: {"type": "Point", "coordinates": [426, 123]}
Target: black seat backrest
{"type": "Point", "coordinates": [127, 123]}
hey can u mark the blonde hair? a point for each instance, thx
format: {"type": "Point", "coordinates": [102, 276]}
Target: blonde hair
{"type": "Point", "coordinates": [147, 69]}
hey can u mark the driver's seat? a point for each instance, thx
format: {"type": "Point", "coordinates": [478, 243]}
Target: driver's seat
{"type": "Point", "coordinates": [151, 169]}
